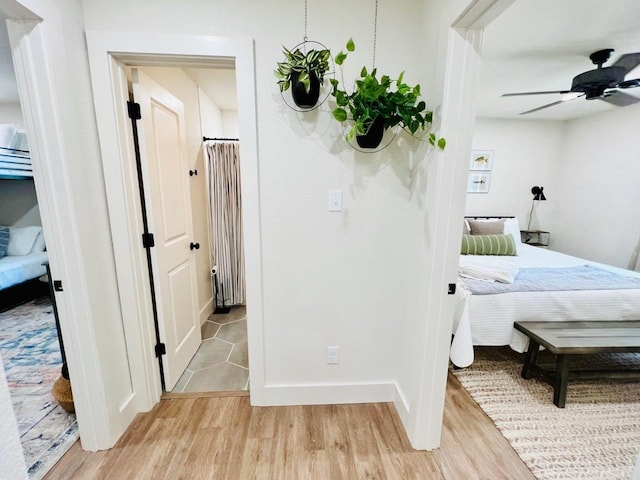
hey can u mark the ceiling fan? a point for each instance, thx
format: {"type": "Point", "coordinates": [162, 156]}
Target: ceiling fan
{"type": "Point", "coordinates": [602, 83]}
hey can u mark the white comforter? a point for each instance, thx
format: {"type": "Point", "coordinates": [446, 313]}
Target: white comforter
{"type": "Point", "coordinates": [488, 319]}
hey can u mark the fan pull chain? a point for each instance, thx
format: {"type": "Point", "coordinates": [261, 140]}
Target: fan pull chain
{"type": "Point", "coordinates": [375, 34]}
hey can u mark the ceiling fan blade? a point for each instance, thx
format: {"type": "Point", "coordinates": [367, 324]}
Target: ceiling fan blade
{"type": "Point", "coordinates": [542, 107]}
{"type": "Point", "coordinates": [534, 93]}
{"type": "Point", "coordinates": [552, 104]}
{"type": "Point", "coordinates": [630, 83]}
{"type": "Point", "coordinates": [629, 61]}
{"type": "Point", "coordinates": [619, 99]}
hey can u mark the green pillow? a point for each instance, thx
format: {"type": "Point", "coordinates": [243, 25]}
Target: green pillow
{"type": "Point", "coordinates": [488, 245]}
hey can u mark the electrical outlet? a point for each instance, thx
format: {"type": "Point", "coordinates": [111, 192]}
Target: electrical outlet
{"type": "Point", "coordinates": [333, 355]}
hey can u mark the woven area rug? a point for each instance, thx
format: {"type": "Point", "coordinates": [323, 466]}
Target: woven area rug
{"type": "Point", "coordinates": [597, 435]}
{"type": "Point", "coordinates": [31, 356]}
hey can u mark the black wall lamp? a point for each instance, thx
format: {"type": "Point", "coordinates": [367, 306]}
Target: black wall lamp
{"type": "Point", "coordinates": [538, 194]}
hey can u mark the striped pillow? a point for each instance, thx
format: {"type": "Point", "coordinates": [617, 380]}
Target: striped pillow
{"type": "Point", "coordinates": [488, 245]}
{"type": "Point", "coordinates": [4, 241]}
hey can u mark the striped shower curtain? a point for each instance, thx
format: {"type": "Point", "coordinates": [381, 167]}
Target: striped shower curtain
{"type": "Point", "coordinates": [226, 221]}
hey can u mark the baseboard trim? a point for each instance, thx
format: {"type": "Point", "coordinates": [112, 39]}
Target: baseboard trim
{"type": "Point", "coordinates": [206, 311]}
{"type": "Point", "coordinates": [402, 406]}
{"type": "Point", "coordinates": [329, 394]}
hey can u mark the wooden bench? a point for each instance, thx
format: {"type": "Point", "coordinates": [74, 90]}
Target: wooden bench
{"type": "Point", "coordinates": [575, 338]}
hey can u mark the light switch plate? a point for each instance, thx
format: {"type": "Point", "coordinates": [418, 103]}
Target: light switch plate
{"type": "Point", "coordinates": [335, 200]}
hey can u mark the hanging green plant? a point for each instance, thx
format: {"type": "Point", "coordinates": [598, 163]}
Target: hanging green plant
{"type": "Point", "coordinates": [304, 73]}
{"type": "Point", "coordinates": [379, 103]}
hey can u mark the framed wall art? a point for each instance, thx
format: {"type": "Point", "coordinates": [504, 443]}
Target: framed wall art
{"type": "Point", "coordinates": [481, 160]}
{"type": "Point", "coordinates": [478, 182]}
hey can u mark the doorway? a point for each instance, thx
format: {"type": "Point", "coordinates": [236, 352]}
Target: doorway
{"type": "Point", "coordinates": [190, 181]}
{"type": "Point", "coordinates": [108, 76]}
{"type": "Point", "coordinates": [30, 345]}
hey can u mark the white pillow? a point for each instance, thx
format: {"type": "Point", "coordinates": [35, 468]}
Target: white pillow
{"type": "Point", "coordinates": [512, 226]}
{"type": "Point", "coordinates": [39, 245]}
{"type": "Point", "coordinates": [22, 240]}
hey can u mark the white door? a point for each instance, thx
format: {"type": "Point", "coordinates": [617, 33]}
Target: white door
{"type": "Point", "coordinates": [166, 178]}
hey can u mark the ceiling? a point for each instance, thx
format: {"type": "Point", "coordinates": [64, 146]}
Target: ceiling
{"type": "Point", "coordinates": [540, 45]}
{"type": "Point", "coordinates": [534, 45]}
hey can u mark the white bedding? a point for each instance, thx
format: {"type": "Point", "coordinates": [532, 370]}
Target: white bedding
{"type": "Point", "coordinates": [488, 319]}
{"type": "Point", "coordinates": [15, 269]}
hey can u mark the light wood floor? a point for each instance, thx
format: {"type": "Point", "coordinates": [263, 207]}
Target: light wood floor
{"type": "Point", "coordinates": [226, 438]}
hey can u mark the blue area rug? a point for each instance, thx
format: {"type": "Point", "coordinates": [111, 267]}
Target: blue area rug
{"type": "Point", "coordinates": [31, 356]}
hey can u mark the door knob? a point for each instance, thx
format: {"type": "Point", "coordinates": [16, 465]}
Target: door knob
{"type": "Point", "coordinates": [194, 246]}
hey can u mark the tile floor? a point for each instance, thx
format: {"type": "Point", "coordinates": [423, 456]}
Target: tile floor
{"type": "Point", "coordinates": [221, 363]}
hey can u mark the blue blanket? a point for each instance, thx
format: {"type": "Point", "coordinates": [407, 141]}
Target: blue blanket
{"type": "Point", "coordinates": [585, 277]}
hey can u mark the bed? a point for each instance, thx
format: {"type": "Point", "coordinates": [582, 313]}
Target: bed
{"type": "Point", "coordinates": [21, 268]}
{"type": "Point", "coordinates": [487, 319]}
{"type": "Point", "coordinates": [23, 261]}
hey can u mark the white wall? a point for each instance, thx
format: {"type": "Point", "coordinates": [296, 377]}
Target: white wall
{"type": "Point", "coordinates": [210, 116]}
{"type": "Point", "coordinates": [358, 279]}
{"type": "Point", "coordinates": [321, 271]}
{"type": "Point", "coordinates": [11, 113]}
{"type": "Point", "coordinates": [598, 192]}
{"type": "Point", "coordinates": [526, 153]}
{"type": "Point", "coordinates": [18, 203]}
{"type": "Point", "coordinates": [589, 168]}
{"type": "Point", "coordinates": [329, 278]}
{"type": "Point", "coordinates": [181, 86]}
{"type": "Point", "coordinates": [230, 123]}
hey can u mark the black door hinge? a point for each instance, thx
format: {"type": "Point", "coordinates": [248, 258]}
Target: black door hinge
{"type": "Point", "coordinates": [134, 110]}
{"type": "Point", "coordinates": [161, 349]}
{"type": "Point", "coordinates": [57, 285]}
{"type": "Point", "coordinates": [452, 289]}
{"type": "Point", "coordinates": [147, 240]}
{"type": "Point", "coordinates": [193, 172]}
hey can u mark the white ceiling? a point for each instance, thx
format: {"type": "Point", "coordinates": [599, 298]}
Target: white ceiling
{"type": "Point", "coordinates": [540, 45]}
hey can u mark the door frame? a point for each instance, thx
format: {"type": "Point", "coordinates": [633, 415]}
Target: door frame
{"type": "Point", "coordinates": [33, 29]}
{"type": "Point", "coordinates": [109, 54]}
{"type": "Point", "coordinates": [462, 69]}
